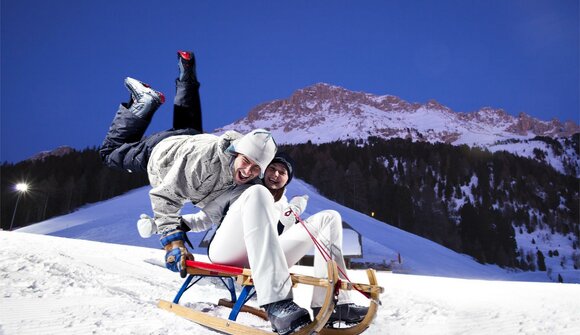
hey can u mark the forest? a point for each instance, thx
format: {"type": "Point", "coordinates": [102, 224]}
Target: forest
{"type": "Point", "coordinates": [467, 199]}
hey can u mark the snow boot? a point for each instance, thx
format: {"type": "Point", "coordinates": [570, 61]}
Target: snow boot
{"type": "Point", "coordinates": [186, 63]}
{"type": "Point", "coordinates": [286, 317]}
{"type": "Point", "coordinates": [145, 100]}
{"type": "Point", "coordinates": [187, 103]}
{"type": "Point", "coordinates": [347, 313]}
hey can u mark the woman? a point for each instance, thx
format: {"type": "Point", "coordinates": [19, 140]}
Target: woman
{"type": "Point", "coordinates": [325, 225]}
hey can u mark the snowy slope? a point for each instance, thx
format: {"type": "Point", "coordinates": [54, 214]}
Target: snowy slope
{"type": "Point", "coordinates": [114, 221]}
{"type": "Point", "coordinates": [53, 285]}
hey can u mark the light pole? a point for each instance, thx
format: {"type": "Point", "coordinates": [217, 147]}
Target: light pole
{"type": "Point", "coordinates": [21, 188]}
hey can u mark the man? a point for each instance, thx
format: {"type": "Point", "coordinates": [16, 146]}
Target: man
{"type": "Point", "coordinates": [182, 164]}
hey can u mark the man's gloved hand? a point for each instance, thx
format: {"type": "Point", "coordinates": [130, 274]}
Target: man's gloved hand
{"type": "Point", "coordinates": [176, 253]}
{"type": "Point", "coordinates": [146, 226]}
{"type": "Point", "coordinates": [296, 205]}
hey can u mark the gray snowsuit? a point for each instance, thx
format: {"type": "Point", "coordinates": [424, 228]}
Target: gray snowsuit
{"type": "Point", "coordinates": [182, 164]}
{"type": "Point", "coordinates": [188, 168]}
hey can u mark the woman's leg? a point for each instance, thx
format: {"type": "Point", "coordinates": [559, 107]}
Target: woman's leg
{"type": "Point", "coordinates": [187, 103]}
{"type": "Point", "coordinates": [247, 237]}
{"type": "Point", "coordinates": [326, 226]}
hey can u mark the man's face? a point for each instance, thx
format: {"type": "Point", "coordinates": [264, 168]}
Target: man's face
{"type": "Point", "coordinates": [275, 176]}
{"type": "Point", "coordinates": [245, 169]}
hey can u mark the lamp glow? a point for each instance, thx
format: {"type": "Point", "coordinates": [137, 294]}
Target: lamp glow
{"type": "Point", "coordinates": [21, 187]}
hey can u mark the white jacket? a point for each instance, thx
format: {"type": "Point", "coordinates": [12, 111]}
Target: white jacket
{"type": "Point", "coordinates": [213, 213]}
{"type": "Point", "coordinates": [196, 168]}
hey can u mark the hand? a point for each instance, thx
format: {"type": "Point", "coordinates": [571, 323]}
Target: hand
{"type": "Point", "coordinates": [299, 202]}
{"type": "Point", "coordinates": [175, 259]}
{"type": "Point", "coordinates": [146, 226]}
{"type": "Point", "coordinates": [176, 253]}
{"type": "Point", "coordinates": [296, 207]}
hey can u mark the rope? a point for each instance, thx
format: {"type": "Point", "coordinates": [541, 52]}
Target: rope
{"type": "Point", "coordinates": [321, 248]}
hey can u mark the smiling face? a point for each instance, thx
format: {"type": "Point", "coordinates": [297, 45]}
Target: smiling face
{"type": "Point", "coordinates": [245, 169]}
{"type": "Point", "coordinates": [276, 176]}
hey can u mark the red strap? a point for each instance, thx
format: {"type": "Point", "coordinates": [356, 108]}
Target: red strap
{"type": "Point", "coordinates": [326, 255]}
{"type": "Point", "coordinates": [234, 270]}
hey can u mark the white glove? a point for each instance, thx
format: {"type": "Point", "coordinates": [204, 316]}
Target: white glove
{"type": "Point", "coordinates": [297, 205]}
{"type": "Point", "coordinates": [146, 226]}
{"type": "Point", "coordinates": [300, 203]}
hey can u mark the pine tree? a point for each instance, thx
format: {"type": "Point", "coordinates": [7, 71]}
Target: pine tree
{"type": "Point", "coordinates": [541, 261]}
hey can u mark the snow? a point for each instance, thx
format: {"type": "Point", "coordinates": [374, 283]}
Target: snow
{"type": "Point", "coordinates": [546, 241]}
{"type": "Point", "coordinates": [54, 285]}
{"type": "Point", "coordinates": [96, 275]}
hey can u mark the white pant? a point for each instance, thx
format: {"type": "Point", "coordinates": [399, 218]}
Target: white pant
{"type": "Point", "coordinates": [254, 218]}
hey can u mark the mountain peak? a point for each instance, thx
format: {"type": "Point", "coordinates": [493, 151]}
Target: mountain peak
{"type": "Point", "coordinates": [322, 113]}
{"type": "Point", "coordinates": [58, 152]}
{"type": "Point", "coordinates": [321, 107]}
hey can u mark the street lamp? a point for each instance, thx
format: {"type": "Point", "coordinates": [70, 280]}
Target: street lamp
{"type": "Point", "coordinates": [21, 188]}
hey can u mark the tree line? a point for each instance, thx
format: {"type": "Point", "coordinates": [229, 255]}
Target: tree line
{"type": "Point", "coordinates": [60, 184]}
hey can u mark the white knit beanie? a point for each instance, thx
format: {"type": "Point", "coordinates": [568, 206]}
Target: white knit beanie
{"type": "Point", "coordinates": [259, 146]}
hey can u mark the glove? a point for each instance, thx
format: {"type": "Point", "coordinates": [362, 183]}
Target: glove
{"type": "Point", "coordinates": [297, 205]}
{"type": "Point", "coordinates": [176, 253]}
{"type": "Point", "coordinates": [300, 203]}
{"type": "Point", "coordinates": [146, 226]}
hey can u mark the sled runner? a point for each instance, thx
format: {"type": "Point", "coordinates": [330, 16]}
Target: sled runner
{"type": "Point", "coordinates": [227, 274]}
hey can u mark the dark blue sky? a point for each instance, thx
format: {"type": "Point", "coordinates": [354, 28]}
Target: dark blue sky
{"type": "Point", "coordinates": [63, 62]}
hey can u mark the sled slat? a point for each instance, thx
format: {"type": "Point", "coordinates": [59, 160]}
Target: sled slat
{"type": "Point", "coordinates": [214, 322]}
{"type": "Point", "coordinates": [246, 309]}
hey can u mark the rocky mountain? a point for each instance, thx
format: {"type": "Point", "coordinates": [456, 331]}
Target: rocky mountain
{"type": "Point", "coordinates": [58, 152]}
{"type": "Point", "coordinates": [324, 113]}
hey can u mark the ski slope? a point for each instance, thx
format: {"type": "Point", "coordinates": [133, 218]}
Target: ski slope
{"type": "Point", "coordinates": [115, 220]}
{"type": "Point", "coordinates": [54, 285]}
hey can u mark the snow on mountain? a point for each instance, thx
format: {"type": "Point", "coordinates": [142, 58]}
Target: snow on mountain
{"type": "Point", "coordinates": [324, 113]}
{"type": "Point", "coordinates": [54, 285]}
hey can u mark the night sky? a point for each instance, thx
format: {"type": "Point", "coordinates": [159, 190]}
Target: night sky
{"type": "Point", "coordinates": [63, 62]}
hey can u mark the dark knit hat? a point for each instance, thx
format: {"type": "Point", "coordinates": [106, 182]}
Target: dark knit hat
{"type": "Point", "coordinates": [284, 158]}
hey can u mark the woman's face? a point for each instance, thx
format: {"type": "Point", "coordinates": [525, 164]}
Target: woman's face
{"type": "Point", "coordinates": [276, 176]}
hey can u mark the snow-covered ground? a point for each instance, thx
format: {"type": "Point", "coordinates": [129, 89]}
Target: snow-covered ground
{"type": "Point", "coordinates": [51, 284]}
{"type": "Point", "coordinates": [54, 285]}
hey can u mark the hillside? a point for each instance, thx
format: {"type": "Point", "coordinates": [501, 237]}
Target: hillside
{"type": "Point", "coordinates": [114, 221]}
{"type": "Point", "coordinates": [498, 208]}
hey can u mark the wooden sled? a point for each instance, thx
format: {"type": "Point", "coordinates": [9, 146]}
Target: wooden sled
{"type": "Point", "coordinates": [227, 274]}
